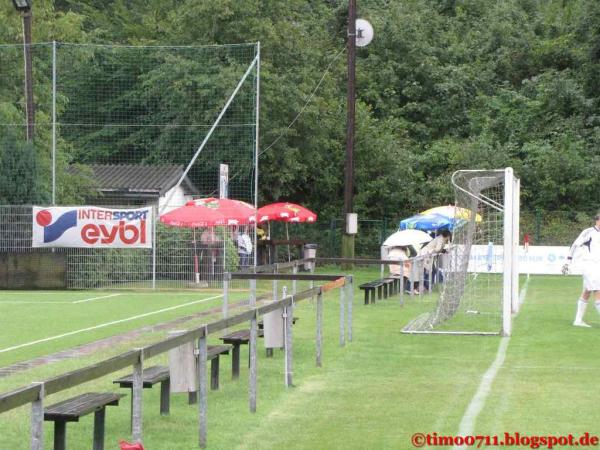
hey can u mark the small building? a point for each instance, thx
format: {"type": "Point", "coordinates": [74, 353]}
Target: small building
{"type": "Point", "coordinates": [137, 184]}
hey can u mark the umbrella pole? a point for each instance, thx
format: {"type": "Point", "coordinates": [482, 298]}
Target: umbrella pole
{"type": "Point", "coordinates": [269, 238]}
{"type": "Point", "coordinates": [196, 271]}
{"type": "Point", "coordinates": [287, 236]}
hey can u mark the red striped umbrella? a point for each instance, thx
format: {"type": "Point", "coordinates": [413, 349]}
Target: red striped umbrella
{"type": "Point", "coordinates": [285, 212]}
{"type": "Point", "coordinates": [210, 212]}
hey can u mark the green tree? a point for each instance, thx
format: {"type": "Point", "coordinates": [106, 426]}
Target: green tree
{"type": "Point", "coordinates": [19, 183]}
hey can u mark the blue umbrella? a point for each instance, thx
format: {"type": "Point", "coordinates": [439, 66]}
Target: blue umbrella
{"type": "Point", "coordinates": [428, 222]}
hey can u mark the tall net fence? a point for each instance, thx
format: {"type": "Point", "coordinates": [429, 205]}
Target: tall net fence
{"type": "Point", "coordinates": [472, 297]}
{"type": "Point", "coordinates": [124, 126]}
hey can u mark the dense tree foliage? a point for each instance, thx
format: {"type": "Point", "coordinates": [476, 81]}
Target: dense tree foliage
{"type": "Point", "coordinates": [445, 85]}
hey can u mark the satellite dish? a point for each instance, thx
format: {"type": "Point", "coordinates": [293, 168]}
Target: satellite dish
{"type": "Point", "coordinates": [364, 33]}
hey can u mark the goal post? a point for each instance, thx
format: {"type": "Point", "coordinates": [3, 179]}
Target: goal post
{"type": "Point", "coordinates": [479, 293]}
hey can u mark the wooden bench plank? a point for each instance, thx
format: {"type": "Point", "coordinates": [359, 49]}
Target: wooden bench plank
{"type": "Point", "coordinates": [216, 350]}
{"type": "Point", "coordinates": [369, 289]}
{"type": "Point", "coordinates": [150, 376]}
{"type": "Point", "coordinates": [238, 338]}
{"type": "Point", "coordinates": [72, 409]}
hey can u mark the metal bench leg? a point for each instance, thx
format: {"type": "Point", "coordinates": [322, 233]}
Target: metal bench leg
{"type": "Point", "coordinates": [235, 362]}
{"type": "Point", "coordinates": [379, 292]}
{"type": "Point", "coordinates": [214, 373]}
{"type": "Point", "coordinates": [99, 429]}
{"type": "Point", "coordinates": [269, 352]}
{"type": "Point", "coordinates": [373, 293]}
{"type": "Point", "coordinates": [192, 398]}
{"type": "Point", "coordinates": [60, 435]}
{"type": "Point", "coordinates": [366, 296]}
{"type": "Point", "coordinates": [165, 397]}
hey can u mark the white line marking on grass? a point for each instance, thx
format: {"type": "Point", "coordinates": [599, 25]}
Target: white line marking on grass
{"type": "Point", "coordinates": [478, 401]}
{"type": "Point", "coordinates": [96, 298]}
{"type": "Point", "coordinates": [114, 322]}
{"type": "Point", "coordinates": [467, 424]}
{"type": "Point", "coordinates": [523, 293]}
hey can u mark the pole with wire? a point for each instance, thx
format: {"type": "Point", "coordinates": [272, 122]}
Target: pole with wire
{"type": "Point", "coordinates": [347, 237]}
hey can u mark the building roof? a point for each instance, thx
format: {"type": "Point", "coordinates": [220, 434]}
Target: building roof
{"type": "Point", "coordinates": [153, 180]}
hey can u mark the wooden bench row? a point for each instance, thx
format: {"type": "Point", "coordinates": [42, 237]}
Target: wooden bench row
{"type": "Point", "coordinates": [384, 287]}
{"type": "Point", "coordinates": [72, 409]}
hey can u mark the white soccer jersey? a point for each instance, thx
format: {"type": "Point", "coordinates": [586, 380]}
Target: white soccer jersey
{"type": "Point", "coordinates": [589, 240]}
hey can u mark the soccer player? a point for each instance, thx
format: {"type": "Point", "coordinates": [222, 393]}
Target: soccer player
{"type": "Point", "coordinates": [589, 239]}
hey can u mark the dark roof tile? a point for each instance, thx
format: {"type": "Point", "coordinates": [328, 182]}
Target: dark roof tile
{"type": "Point", "coordinates": [137, 177]}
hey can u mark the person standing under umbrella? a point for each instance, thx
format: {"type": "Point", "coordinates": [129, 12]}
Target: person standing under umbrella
{"type": "Point", "coordinates": [431, 250]}
{"type": "Point", "coordinates": [244, 246]}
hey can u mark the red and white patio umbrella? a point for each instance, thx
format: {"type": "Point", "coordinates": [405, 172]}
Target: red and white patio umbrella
{"type": "Point", "coordinates": [285, 212]}
{"type": "Point", "coordinates": [209, 212]}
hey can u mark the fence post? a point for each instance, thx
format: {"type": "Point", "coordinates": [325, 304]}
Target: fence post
{"type": "Point", "coordinates": [294, 271]}
{"type": "Point", "coordinates": [350, 299]}
{"type": "Point", "coordinates": [312, 282]}
{"type": "Point", "coordinates": [253, 291]}
{"type": "Point", "coordinates": [430, 273]}
{"type": "Point", "coordinates": [412, 277]}
{"type": "Point", "coordinates": [253, 365]}
{"type": "Point", "coordinates": [287, 320]}
{"type": "Point", "coordinates": [319, 327]}
{"type": "Point", "coordinates": [136, 397]}
{"type": "Point", "coordinates": [154, 242]}
{"type": "Point", "coordinates": [226, 278]}
{"type": "Point", "coordinates": [202, 402]}
{"type": "Point", "coordinates": [275, 270]}
{"type": "Point", "coordinates": [402, 285]}
{"type": "Point", "coordinates": [37, 420]}
{"type": "Point", "coordinates": [342, 315]}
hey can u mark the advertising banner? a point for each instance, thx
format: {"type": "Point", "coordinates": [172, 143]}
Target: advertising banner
{"type": "Point", "coordinates": [532, 260]}
{"type": "Point", "coordinates": [92, 227]}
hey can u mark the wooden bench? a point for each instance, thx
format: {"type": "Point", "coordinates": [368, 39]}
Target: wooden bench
{"type": "Point", "coordinates": [72, 409]}
{"type": "Point", "coordinates": [393, 285]}
{"type": "Point", "coordinates": [151, 376]}
{"type": "Point", "coordinates": [384, 286]}
{"type": "Point", "coordinates": [236, 339]}
{"type": "Point", "coordinates": [370, 289]}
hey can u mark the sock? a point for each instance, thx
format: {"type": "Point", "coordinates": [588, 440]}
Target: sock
{"type": "Point", "coordinates": [581, 306]}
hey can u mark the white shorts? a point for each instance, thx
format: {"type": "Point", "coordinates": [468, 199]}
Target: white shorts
{"type": "Point", "coordinates": [591, 277]}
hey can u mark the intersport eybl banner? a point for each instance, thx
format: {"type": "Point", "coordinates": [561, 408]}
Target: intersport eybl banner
{"type": "Point", "coordinates": [92, 227]}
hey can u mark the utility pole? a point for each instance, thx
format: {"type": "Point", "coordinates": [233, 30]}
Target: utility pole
{"type": "Point", "coordinates": [24, 7]}
{"type": "Point", "coordinates": [348, 235]}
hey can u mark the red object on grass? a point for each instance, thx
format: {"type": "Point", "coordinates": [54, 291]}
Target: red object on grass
{"type": "Point", "coordinates": [210, 212]}
{"type": "Point", "coordinates": [130, 446]}
{"type": "Point", "coordinates": [285, 212]}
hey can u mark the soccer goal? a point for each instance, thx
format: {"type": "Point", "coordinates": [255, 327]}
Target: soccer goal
{"type": "Point", "coordinates": [480, 285]}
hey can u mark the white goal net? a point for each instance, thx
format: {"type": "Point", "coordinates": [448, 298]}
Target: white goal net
{"type": "Point", "coordinates": [480, 274]}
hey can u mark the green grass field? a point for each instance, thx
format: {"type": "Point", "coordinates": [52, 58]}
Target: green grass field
{"type": "Point", "coordinates": [374, 393]}
{"type": "Point", "coordinates": [67, 319]}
